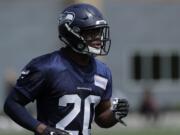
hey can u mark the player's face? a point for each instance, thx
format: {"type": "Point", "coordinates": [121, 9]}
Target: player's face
{"type": "Point", "coordinates": [93, 37]}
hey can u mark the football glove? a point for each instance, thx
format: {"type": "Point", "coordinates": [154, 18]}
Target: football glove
{"type": "Point", "coordinates": [55, 131]}
{"type": "Point", "coordinates": [120, 108]}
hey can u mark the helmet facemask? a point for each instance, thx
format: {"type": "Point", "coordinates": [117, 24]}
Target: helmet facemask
{"type": "Point", "coordinates": [91, 41]}
{"type": "Point", "coordinates": [97, 41]}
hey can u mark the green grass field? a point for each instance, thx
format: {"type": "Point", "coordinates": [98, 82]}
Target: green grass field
{"type": "Point", "coordinates": [140, 132]}
{"type": "Point", "coordinates": [120, 131]}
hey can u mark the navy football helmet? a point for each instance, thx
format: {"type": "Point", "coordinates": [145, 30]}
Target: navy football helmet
{"type": "Point", "coordinates": [83, 28]}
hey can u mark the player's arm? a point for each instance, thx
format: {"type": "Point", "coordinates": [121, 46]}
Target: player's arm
{"type": "Point", "coordinates": [29, 86]}
{"type": "Point", "coordinates": [14, 107]}
{"type": "Point", "coordinates": [106, 117]}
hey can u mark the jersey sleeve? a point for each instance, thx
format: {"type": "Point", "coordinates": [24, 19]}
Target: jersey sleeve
{"type": "Point", "coordinates": [108, 92]}
{"type": "Point", "coordinates": [31, 82]}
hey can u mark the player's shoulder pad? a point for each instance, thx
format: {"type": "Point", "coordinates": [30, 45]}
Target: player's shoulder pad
{"type": "Point", "coordinates": [46, 61]}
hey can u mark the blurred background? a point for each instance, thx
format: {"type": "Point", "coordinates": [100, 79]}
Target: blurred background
{"type": "Point", "coordinates": [144, 57]}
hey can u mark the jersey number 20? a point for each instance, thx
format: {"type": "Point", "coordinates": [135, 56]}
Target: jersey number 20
{"type": "Point", "coordinates": [64, 100]}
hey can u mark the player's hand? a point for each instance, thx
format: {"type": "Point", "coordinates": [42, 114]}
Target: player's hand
{"type": "Point", "coordinates": [120, 109]}
{"type": "Point", "coordinates": [55, 131]}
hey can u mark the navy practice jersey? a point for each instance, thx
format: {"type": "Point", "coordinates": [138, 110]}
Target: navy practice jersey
{"type": "Point", "coordinates": [66, 93]}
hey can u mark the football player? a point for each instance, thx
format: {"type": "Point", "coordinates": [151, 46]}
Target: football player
{"type": "Point", "coordinates": [71, 87]}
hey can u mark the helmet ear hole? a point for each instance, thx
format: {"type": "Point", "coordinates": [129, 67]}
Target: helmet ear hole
{"type": "Point", "coordinates": [81, 46]}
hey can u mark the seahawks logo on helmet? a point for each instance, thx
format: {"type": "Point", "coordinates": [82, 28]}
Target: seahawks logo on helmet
{"type": "Point", "coordinates": [66, 17]}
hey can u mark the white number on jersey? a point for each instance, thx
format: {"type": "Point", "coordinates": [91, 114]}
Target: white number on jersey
{"type": "Point", "coordinates": [64, 100]}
